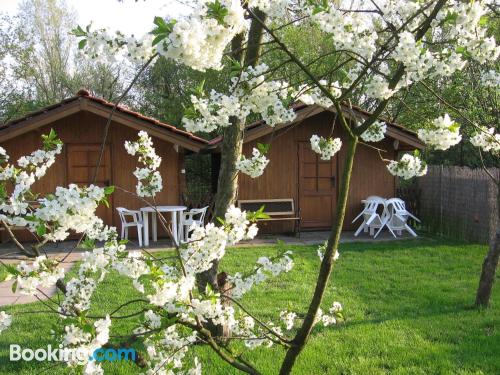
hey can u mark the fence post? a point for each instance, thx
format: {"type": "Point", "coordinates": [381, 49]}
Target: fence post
{"type": "Point", "coordinates": [441, 230]}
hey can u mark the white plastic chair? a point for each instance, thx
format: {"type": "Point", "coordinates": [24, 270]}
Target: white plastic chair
{"type": "Point", "coordinates": [136, 221]}
{"type": "Point", "coordinates": [371, 218]}
{"type": "Point", "coordinates": [399, 216]}
{"type": "Point", "coordinates": [195, 216]}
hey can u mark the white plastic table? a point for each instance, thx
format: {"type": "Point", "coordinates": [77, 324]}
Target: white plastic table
{"type": "Point", "coordinates": [152, 210]}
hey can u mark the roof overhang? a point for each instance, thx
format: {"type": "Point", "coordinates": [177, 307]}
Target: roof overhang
{"type": "Point", "coordinates": [303, 112]}
{"type": "Point", "coordinates": [103, 109]}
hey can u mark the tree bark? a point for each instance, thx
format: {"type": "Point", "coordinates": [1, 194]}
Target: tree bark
{"type": "Point", "coordinates": [490, 265]}
{"type": "Point", "coordinates": [304, 332]}
{"type": "Point", "coordinates": [232, 145]}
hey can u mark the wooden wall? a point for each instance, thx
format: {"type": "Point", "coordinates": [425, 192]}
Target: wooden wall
{"type": "Point", "coordinates": [87, 128]}
{"type": "Point", "coordinates": [280, 179]}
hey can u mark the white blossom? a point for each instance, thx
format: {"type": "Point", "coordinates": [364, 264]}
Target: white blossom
{"type": "Point", "coordinates": [441, 134]}
{"type": "Point", "coordinates": [254, 166]}
{"type": "Point", "coordinates": [375, 132]}
{"type": "Point", "coordinates": [288, 319]}
{"type": "Point", "coordinates": [149, 181]}
{"type": "Point", "coordinates": [407, 167]}
{"type": "Point", "coordinates": [326, 147]}
{"type": "Point", "coordinates": [199, 40]}
{"type": "Point", "coordinates": [487, 140]}
{"type": "Point", "coordinates": [316, 96]}
{"type": "Point", "coordinates": [5, 321]}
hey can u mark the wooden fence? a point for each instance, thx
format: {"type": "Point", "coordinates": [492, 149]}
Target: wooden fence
{"type": "Point", "coordinates": [458, 202]}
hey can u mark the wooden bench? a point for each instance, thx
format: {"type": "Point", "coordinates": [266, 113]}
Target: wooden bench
{"type": "Point", "coordinates": [277, 209]}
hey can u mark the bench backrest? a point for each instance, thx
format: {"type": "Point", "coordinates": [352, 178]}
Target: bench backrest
{"type": "Point", "coordinates": [272, 207]}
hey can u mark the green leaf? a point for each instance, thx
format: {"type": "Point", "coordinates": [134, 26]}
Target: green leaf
{"type": "Point", "coordinates": [78, 31]}
{"type": "Point", "coordinates": [109, 190]}
{"type": "Point", "coordinates": [41, 230]}
{"type": "Point", "coordinates": [483, 21]}
{"type": "Point", "coordinates": [160, 22]}
{"type": "Point", "coordinates": [105, 202]}
{"type": "Point", "coordinates": [11, 269]}
{"type": "Point", "coordinates": [158, 39]}
{"type": "Point", "coordinates": [217, 11]}
{"type": "Point", "coordinates": [14, 286]}
{"type": "Point", "coordinates": [82, 44]}
{"type": "Point", "coordinates": [259, 214]}
{"type": "Point", "coordinates": [263, 147]}
{"type": "Point", "coordinates": [190, 113]}
{"type": "Point", "coordinates": [87, 243]}
{"type": "Point", "coordinates": [199, 90]}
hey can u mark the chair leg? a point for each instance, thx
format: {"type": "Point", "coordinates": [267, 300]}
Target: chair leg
{"type": "Point", "coordinates": [410, 230]}
{"type": "Point", "coordinates": [378, 232]}
{"type": "Point", "coordinates": [126, 233]}
{"type": "Point", "coordinates": [122, 234]}
{"type": "Point", "coordinates": [392, 232]}
{"type": "Point", "coordinates": [359, 230]}
{"type": "Point", "coordinates": [139, 235]}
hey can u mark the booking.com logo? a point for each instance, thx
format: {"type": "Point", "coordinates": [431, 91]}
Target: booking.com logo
{"type": "Point", "coordinates": [61, 354]}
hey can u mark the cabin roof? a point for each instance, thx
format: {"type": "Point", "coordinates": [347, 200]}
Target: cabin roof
{"type": "Point", "coordinates": [84, 101]}
{"type": "Point", "coordinates": [259, 129]}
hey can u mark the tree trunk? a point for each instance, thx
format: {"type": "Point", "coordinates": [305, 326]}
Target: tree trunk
{"type": "Point", "coordinates": [304, 332]}
{"type": "Point", "coordinates": [490, 265]}
{"type": "Point", "coordinates": [232, 145]}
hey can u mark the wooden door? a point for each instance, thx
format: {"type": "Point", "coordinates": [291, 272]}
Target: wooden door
{"type": "Point", "coordinates": [81, 164]}
{"type": "Point", "coordinates": [317, 188]}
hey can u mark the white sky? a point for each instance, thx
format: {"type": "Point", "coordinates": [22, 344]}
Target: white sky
{"type": "Point", "coordinates": [128, 16]}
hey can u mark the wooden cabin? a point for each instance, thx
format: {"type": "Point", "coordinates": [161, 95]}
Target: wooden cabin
{"type": "Point", "coordinates": [80, 123]}
{"type": "Point", "coordinates": [296, 172]}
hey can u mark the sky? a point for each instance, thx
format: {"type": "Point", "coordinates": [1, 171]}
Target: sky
{"type": "Point", "coordinates": [128, 16]}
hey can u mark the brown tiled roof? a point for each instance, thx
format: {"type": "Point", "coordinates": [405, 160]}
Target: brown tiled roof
{"type": "Point", "coordinates": [120, 108]}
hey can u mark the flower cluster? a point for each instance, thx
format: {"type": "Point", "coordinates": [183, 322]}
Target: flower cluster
{"type": "Point", "coordinates": [264, 268]}
{"type": "Point", "coordinates": [272, 8]}
{"type": "Point", "coordinates": [55, 215]}
{"type": "Point", "coordinates": [251, 93]}
{"type": "Point", "coordinates": [407, 167]}
{"type": "Point", "coordinates": [321, 252]}
{"type": "Point", "coordinates": [30, 169]}
{"type": "Point", "coordinates": [326, 147]}
{"type": "Point", "coordinates": [104, 47]}
{"type": "Point", "coordinates": [208, 243]}
{"type": "Point", "coordinates": [457, 34]}
{"type": "Point", "coordinates": [441, 134]}
{"type": "Point", "coordinates": [350, 31]}
{"type": "Point", "coordinates": [85, 340]}
{"type": "Point", "coordinates": [316, 96]}
{"type": "Point", "coordinates": [69, 209]}
{"type": "Point", "coordinates": [487, 140]}
{"type": "Point", "coordinates": [167, 350]}
{"type": "Point", "coordinates": [207, 114]}
{"type": "Point", "coordinates": [375, 132]}
{"type": "Point", "coordinates": [288, 319]}
{"type": "Point", "coordinates": [199, 40]}
{"type": "Point", "coordinates": [254, 166]}
{"type": "Point", "coordinates": [334, 314]}
{"type": "Point", "coordinates": [149, 178]}
{"type": "Point", "coordinates": [5, 321]}
{"type": "Point", "coordinates": [42, 272]}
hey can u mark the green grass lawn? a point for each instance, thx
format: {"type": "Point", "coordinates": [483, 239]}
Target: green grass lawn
{"type": "Point", "coordinates": [408, 308]}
